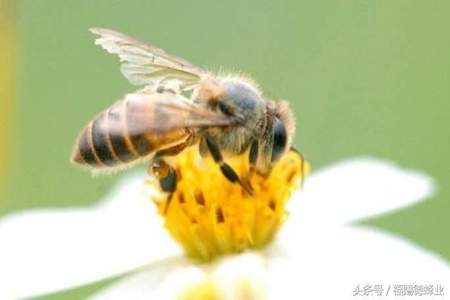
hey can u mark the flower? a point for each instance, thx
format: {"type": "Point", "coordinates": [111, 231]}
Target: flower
{"type": "Point", "coordinates": [319, 253]}
{"type": "Point", "coordinates": [211, 216]}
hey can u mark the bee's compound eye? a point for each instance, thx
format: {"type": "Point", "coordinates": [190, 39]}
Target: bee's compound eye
{"type": "Point", "coordinates": [226, 110]}
{"type": "Point", "coordinates": [279, 138]}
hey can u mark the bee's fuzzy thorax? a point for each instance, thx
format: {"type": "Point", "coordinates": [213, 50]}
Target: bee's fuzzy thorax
{"type": "Point", "coordinates": [243, 78]}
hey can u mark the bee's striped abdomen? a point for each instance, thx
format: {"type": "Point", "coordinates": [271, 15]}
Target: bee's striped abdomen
{"type": "Point", "coordinates": [101, 142]}
{"type": "Point", "coordinates": [118, 133]}
{"type": "Point", "coordinates": [129, 130]}
{"type": "Point", "coordinates": [139, 141]}
{"type": "Point", "coordinates": [94, 148]}
{"type": "Point", "coordinates": [106, 143]}
{"type": "Point", "coordinates": [84, 152]}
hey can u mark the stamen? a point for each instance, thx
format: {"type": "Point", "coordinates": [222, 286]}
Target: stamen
{"type": "Point", "coordinates": [199, 198]}
{"type": "Point", "coordinates": [210, 216]}
{"type": "Point", "coordinates": [219, 215]}
{"type": "Point", "coordinates": [181, 198]}
{"type": "Point", "coordinates": [272, 204]}
{"type": "Point", "coordinates": [291, 176]}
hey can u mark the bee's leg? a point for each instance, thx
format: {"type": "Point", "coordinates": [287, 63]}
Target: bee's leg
{"type": "Point", "coordinates": [166, 174]}
{"type": "Point", "coordinates": [226, 169]}
{"type": "Point", "coordinates": [252, 159]}
{"type": "Point", "coordinates": [175, 150]}
{"type": "Point", "coordinates": [253, 156]}
{"type": "Point", "coordinates": [167, 178]}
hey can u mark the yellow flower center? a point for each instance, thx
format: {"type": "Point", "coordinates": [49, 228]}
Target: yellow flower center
{"type": "Point", "coordinates": [210, 216]}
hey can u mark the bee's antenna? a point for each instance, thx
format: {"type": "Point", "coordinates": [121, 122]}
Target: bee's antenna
{"type": "Point", "coordinates": [302, 167]}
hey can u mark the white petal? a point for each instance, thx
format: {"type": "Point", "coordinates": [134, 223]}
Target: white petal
{"type": "Point", "coordinates": [51, 249]}
{"type": "Point", "coordinates": [358, 188]}
{"type": "Point", "coordinates": [323, 264]}
{"type": "Point", "coordinates": [159, 281]}
{"type": "Point", "coordinates": [234, 277]}
{"type": "Point", "coordinates": [174, 284]}
{"type": "Point", "coordinates": [330, 263]}
{"type": "Point", "coordinates": [165, 282]}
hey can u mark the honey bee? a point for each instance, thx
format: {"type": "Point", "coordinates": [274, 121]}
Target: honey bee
{"type": "Point", "coordinates": [181, 105]}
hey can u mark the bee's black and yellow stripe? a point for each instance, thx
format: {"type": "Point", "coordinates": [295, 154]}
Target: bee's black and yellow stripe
{"type": "Point", "coordinates": [101, 148]}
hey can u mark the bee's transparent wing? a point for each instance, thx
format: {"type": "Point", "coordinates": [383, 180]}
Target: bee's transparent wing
{"type": "Point", "coordinates": [160, 114]}
{"type": "Point", "coordinates": [143, 64]}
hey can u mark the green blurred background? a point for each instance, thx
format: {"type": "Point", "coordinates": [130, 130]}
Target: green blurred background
{"type": "Point", "coordinates": [364, 78]}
